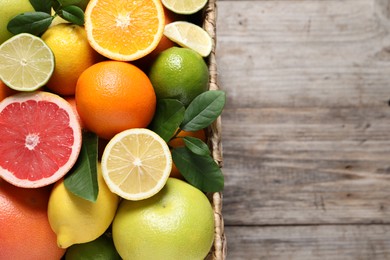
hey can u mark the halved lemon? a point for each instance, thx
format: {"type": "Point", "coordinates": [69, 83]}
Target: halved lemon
{"type": "Point", "coordinates": [189, 35]}
{"type": "Point", "coordinates": [136, 163]}
{"type": "Point", "coordinates": [27, 63]}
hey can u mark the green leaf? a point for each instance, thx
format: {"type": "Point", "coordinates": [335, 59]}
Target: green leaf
{"type": "Point", "coordinates": [169, 114]}
{"type": "Point", "coordinates": [73, 14]}
{"type": "Point", "coordinates": [56, 5]}
{"type": "Point", "coordinates": [196, 146]}
{"type": "Point", "coordinates": [31, 22]}
{"type": "Point", "coordinates": [42, 5]}
{"type": "Point", "coordinates": [200, 171]}
{"type": "Point", "coordinates": [203, 110]}
{"type": "Point", "coordinates": [82, 180]}
{"type": "Point", "coordinates": [68, 2]}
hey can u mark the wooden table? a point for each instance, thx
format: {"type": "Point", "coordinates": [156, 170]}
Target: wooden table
{"type": "Point", "coordinates": [306, 130]}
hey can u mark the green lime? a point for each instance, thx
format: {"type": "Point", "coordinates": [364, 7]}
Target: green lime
{"type": "Point", "coordinates": [184, 6]}
{"type": "Point", "coordinates": [27, 62]}
{"type": "Point", "coordinates": [179, 73]}
{"type": "Point", "coordinates": [101, 248]}
{"type": "Point", "coordinates": [9, 9]}
{"type": "Point", "coordinates": [189, 35]}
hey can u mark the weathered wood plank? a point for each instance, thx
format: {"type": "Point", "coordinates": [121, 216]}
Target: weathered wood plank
{"type": "Point", "coordinates": [306, 131]}
{"type": "Point", "coordinates": [319, 172]}
{"type": "Point", "coordinates": [309, 242]}
{"type": "Point", "coordinates": [268, 57]}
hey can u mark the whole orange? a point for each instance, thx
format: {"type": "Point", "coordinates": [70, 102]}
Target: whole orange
{"type": "Point", "coordinates": [25, 230]}
{"type": "Point", "coordinates": [112, 96]}
{"type": "Point", "coordinates": [178, 142]}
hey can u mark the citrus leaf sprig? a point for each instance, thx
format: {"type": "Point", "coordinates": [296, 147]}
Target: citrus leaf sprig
{"type": "Point", "coordinates": [39, 21]}
{"type": "Point", "coordinates": [82, 178]}
{"type": "Point", "coordinates": [194, 160]}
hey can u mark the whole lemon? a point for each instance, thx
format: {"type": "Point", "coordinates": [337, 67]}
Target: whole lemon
{"type": "Point", "coordinates": [72, 53]}
{"type": "Point", "coordinates": [176, 223]}
{"type": "Point", "coordinates": [179, 73]}
{"type": "Point", "coordinates": [9, 9]}
{"type": "Point", "coordinates": [77, 220]}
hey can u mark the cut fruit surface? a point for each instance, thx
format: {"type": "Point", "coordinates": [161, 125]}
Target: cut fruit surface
{"type": "Point", "coordinates": [27, 63]}
{"type": "Point", "coordinates": [190, 36]}
{"type": "Point", "coordinates": [124, 30]}
{"type": "Point", "coordinates": [184, 6]}
{"type": "Point", "coordinates": [40, 139]}
{"type": "Point", "coordinates": [136, 164]}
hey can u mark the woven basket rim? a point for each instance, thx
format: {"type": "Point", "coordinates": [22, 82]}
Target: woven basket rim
{"type": "Point", "coordinates": [219, 248]}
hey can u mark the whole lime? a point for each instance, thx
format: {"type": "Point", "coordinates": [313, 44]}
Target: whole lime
{"type": "Point", "coordinates": [179, 73]}
{"type": "Point", "coordinates": [9, 9]}
{"type": "Point", "coordinates": [176, 223]}
{"type": "Point", "coordinates": [101, 248]}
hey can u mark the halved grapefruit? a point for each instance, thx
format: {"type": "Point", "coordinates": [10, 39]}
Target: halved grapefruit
{"type": "Point", "coordinates": [40, 139]}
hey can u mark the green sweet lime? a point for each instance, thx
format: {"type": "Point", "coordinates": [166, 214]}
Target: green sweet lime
{"type": "Point", "coordinates": [176, 224]}
{"type": "Point", "coordinates": [8, 10]}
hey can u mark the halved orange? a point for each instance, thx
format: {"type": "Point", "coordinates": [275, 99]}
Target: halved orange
{"type": "Point", "coordinates": [124, 30]}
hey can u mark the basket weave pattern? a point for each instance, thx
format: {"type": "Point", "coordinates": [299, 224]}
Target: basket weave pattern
{"type": "Point", "coordinates": [218, 250]}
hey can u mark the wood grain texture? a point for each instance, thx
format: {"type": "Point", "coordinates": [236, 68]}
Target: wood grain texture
{"type": "Point", "coordinates": [306, 129]}
{"type": "Point", "coordinates": [350, 242]}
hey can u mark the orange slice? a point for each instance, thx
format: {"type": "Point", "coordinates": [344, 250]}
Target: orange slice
{"type": "Point", "coordinates": [124, 30]}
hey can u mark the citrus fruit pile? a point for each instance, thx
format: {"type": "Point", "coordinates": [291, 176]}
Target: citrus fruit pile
{"type": "Point", "coordinates": [104, 107]}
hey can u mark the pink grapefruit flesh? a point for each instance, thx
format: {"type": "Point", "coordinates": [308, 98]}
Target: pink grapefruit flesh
{"type": "Point", "coordinates": [40, 139]}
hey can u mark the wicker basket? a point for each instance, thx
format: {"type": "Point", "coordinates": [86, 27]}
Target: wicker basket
{"type": "Point", "coordinates": [218, 250]}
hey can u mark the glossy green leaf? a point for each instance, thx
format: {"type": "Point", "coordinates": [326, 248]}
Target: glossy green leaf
{"type": "Point", "coordinates": [196, 145]}
{"type": "Point", "coordinates": [200, 171]}
{"type": "Point", "coordinates": [203, 110]}
{"type": "Point", "coordinates": [56, 5]}
{"type": "Point", "coordinates": [31, 22]}
{"type": "Point", "coordinates": [169, 115]}
{"type": "Point", "coordinates": [82, 180]}
{"type": "Point", "coordinates": [68, 2]}
{"type": "Point", "coordinates": [73, 14]}
{"type": "Point", "coordinates": [42, 5]}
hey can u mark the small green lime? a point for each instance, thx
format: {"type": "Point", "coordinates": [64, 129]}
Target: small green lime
{"type": "Point", "coordinates": [9, 9]}
{"type": "Point", "coordinates": [101, 248]}
{"type": "Point", "coordinates": [179, 73]}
